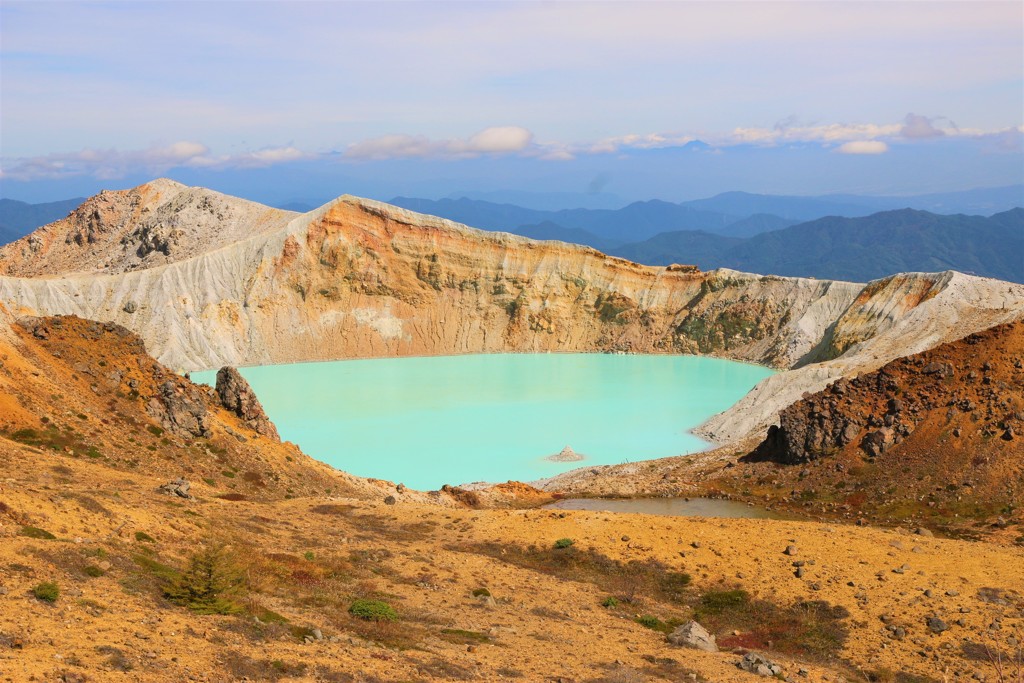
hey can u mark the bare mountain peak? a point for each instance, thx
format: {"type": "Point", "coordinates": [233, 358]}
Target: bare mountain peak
{"type": "Point", "coordinates": [154, 224]}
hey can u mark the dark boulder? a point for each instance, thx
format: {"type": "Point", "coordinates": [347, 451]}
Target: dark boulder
{"type": "Point", "coordinates": [236, 395]}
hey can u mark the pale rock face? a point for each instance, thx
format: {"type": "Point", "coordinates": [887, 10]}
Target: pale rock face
{"type": "Point", "coordinates": [242, 284]}
{"type": "Point", "coordinates": [693, 635]}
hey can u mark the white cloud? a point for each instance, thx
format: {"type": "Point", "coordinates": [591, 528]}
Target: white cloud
{"type": "Point", "coordinates": [863, 147]}
{"type": "Point", "coordinates": [501, 139]}
{"type": "Point", "coordinates": [860, 138]}
{"type": "Point", "coordinates": [495, 140]}
{"type": "Point", "coordinates": [638, 141]}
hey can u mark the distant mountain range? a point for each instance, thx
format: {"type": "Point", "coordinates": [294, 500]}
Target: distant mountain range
{"type": "Point", "coordinates": [730, 213]}
{"type": "Point", "coordinates": [721, 232]}
{"type": "Point", "coordinates": [18, 219]}
{"type": "Point", "coordinates": [857, 249]}
{"type": "Point", "coordinates": [848, 237]}
{"type": "Point", "coordinates": [609, 227]}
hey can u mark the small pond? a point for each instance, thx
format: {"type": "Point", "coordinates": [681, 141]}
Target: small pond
{"type": "Point", "coordinates": [672, 507]}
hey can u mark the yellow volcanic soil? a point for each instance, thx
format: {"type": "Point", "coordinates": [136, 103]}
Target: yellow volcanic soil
{"type": "Point", "coordinates": [305, 541]}
{"type": "Point", "coordinates": [425, 561]}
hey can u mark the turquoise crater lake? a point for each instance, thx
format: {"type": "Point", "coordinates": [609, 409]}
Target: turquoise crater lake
{"type": "Point", "coordinates": [456, 419]}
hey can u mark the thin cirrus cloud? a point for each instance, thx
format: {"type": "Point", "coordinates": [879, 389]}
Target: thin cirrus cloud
{"type": "Point", "coordinates": [106, 164]}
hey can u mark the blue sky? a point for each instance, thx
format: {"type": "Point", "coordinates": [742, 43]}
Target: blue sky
{"type": "Point", "coordinates": [666, 99]}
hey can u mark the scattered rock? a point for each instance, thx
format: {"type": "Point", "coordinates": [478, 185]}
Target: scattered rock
{"type": "Point", "coordinates": [693, 635]}
{"type": "Point", "coordinates": [790, 550]}
{"type": "Point", "coordinates": [757, 663]}
{"type": "Point", "coordinates": [877, 442]}
{"type": "Point", "coordinates": [130, 307]}
{"type": "Point", "coordinates": [940, 370]}
{"type": "Point", "coordinates": [179, 487]}
{"type": "Point", "coordinates": [936, 625]}
{"type": "Point", "coordinates": [921, 531]}
{"type": "Point", "coordinates": [390, 500]}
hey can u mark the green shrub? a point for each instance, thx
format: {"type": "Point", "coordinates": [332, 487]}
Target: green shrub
{"type": "Point", "coordinates": [651, 622]}
{"type": "Point", "coordinates": [676, 581]}
{"type": "Point", "coordinates": [210, 583]}
{"type": "Point", "coordinates": [481, 593]}
{"type": "Point", "coordinates": [143, 537]}
{"type": "Point", "coordinates": [47, 591]}
{"type": "Point", "coordinates": [564, 543]}
{"type": "Point", "coordinates": [716, 602]}
{"type": "Point", "coordinates": [229, 474]}
{"type": "Point", "coordinates": [156, 568]}
{"type": "Point", "coordinates": [461, 637]}
{"type": "Point", "coordinates": [373, 610]}
{"type": "Point", "coordinates": [309, 555]}
{"type": "Point", "coordinates": [93, 571]}
{"type": "Point", "coordinates": [154, 430]}
{"type": "Point", "coordinates": [36, 532]}
{"type": "Point", "coordinates": [267, 615]}
{"type": "Point", "coordinates": [610, 601]}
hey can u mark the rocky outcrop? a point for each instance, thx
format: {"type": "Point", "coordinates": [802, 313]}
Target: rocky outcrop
{"type": "Point", "coordinates": [180, 409]}
{"type": "Point", "coordinates": [358, 278]}
{"type": "Point", "coordinates": [567, 454]}
{"type": "Point", "coordinates": [890, 319]}
{"type": "Point", "coordinates": [878, 410]}
{"type": "Point", "coordinates": [236, 395]}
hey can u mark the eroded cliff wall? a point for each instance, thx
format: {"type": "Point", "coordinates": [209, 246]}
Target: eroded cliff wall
{"type": "Point", "coordinates": [358, 278]}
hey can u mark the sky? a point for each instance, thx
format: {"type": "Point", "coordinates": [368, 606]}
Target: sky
{"type": "Point", "coordinates": [304, 101]}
